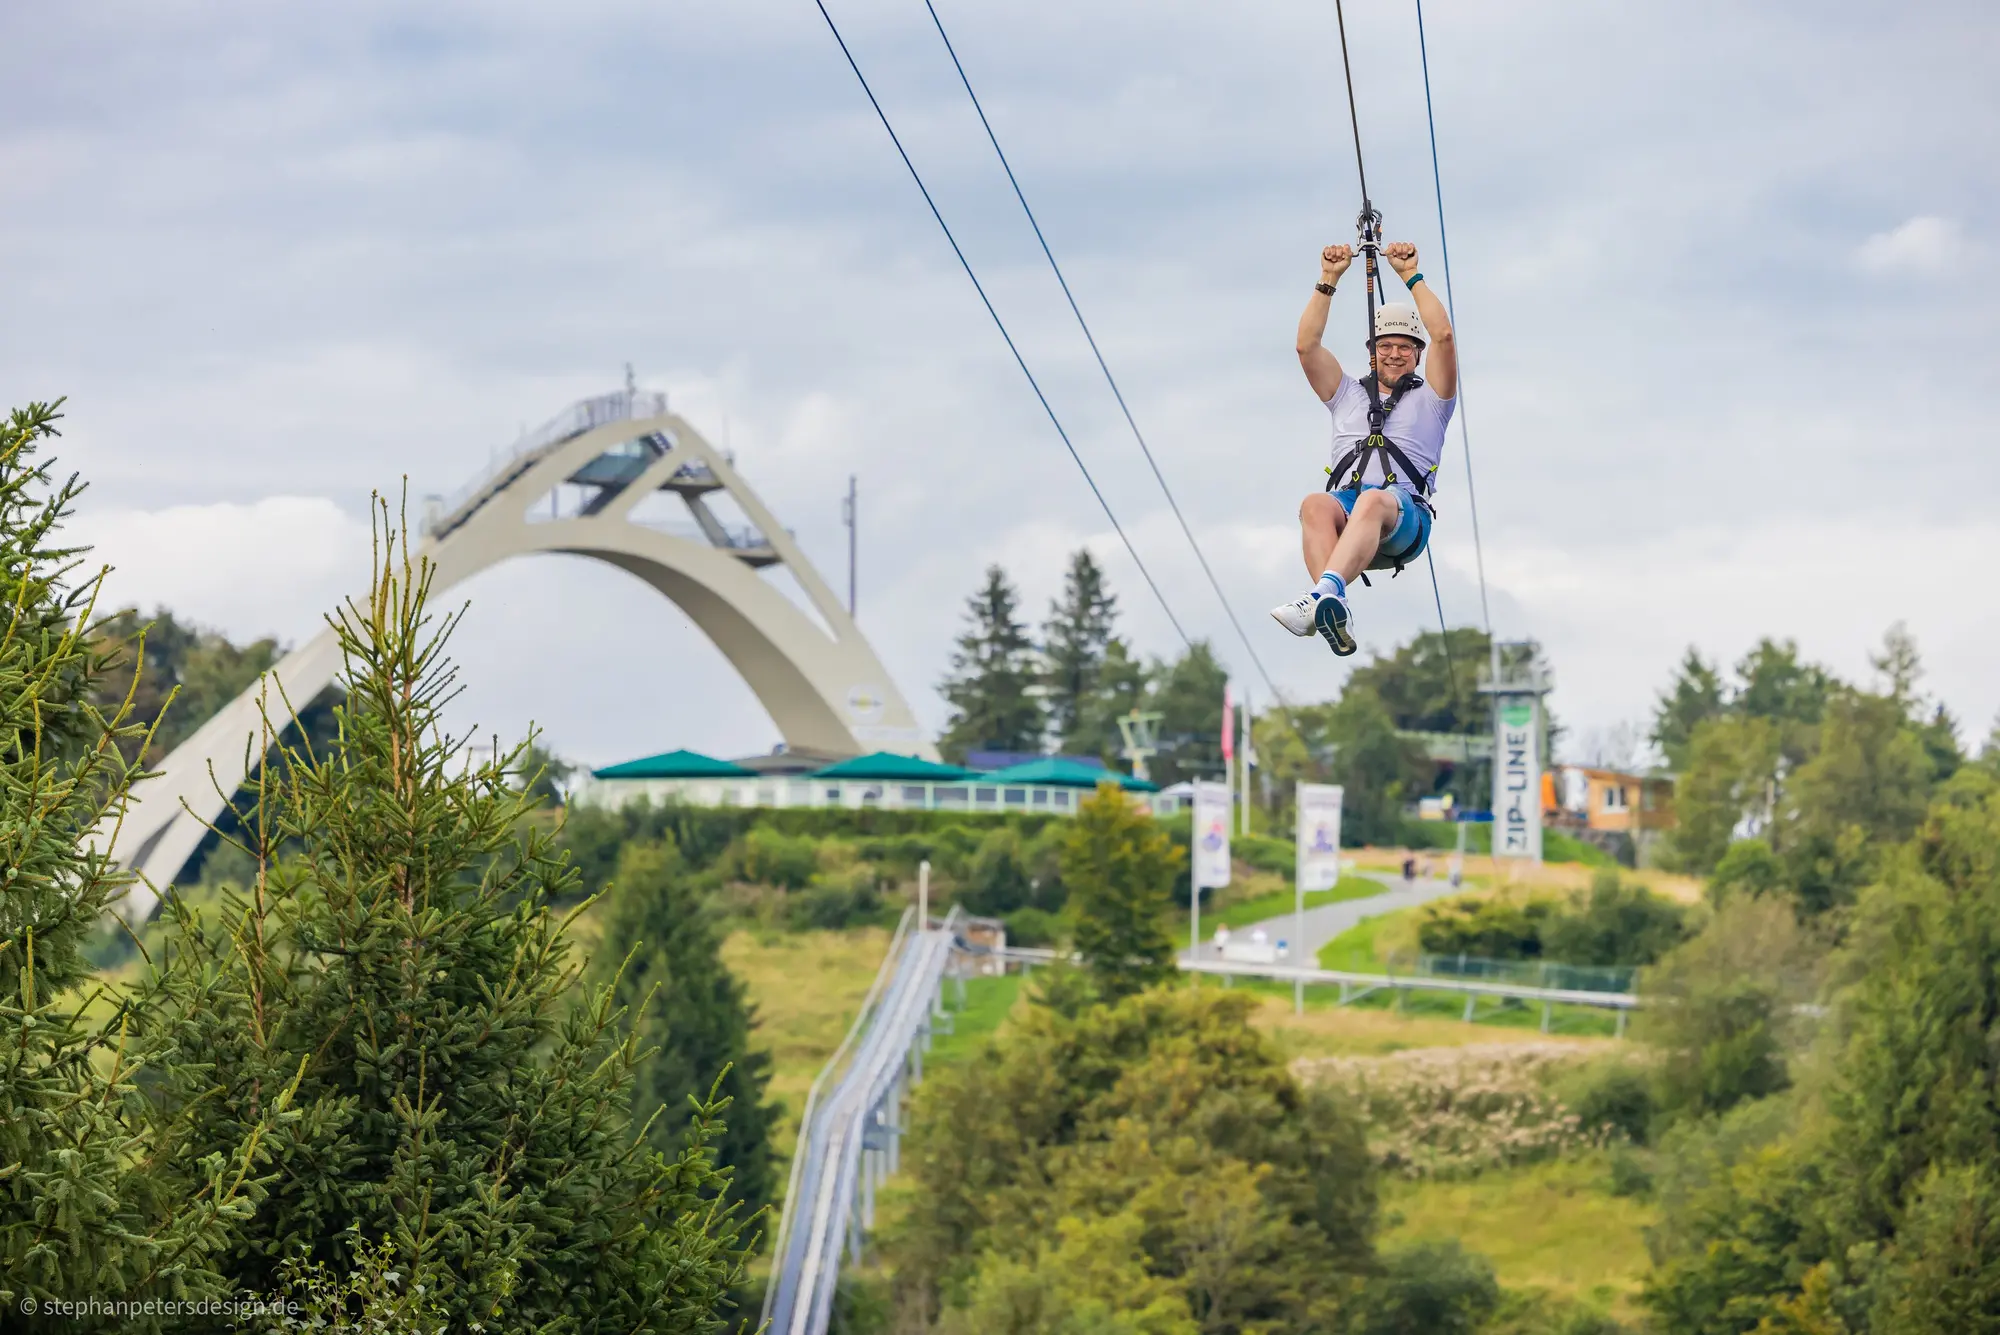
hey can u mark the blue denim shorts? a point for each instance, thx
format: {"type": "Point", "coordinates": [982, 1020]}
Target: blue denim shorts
{"type": "Point", "coordinates": [1412, 534]}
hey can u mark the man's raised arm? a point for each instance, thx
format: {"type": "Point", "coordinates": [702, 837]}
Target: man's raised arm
{"type": "Point", "coordinates": [1322, 369]}
{"type": "Point", "coordinates": [1441, 360]}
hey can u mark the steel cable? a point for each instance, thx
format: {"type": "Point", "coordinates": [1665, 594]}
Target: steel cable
{"type": "Point", "coordinates": [1001, 325]}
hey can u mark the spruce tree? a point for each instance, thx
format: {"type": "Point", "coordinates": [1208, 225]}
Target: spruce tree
{"type": "Point", "coordinates": [663, 955]}
{"type": "Point", "coordinates": [395, 958]}
{"type": "Point", "coordinates": [82, 1213]}
{"type": "Point", "coordinates": [993, 674]}
{"type": "Point", "coordinates": [1075, 640]}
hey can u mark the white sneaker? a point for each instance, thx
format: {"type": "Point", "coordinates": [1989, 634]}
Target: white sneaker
{"type": "Point", "coordinates": [1335, 622]}
{"type": "Point", "coordinates": [1297, 617]}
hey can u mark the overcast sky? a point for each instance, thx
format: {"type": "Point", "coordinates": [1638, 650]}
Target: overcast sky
{"type": "Point", "coordinates": [1725, 280]}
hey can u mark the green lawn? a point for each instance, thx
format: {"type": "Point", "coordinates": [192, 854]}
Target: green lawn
{"type": "Point", "coordinates": [1554, 1227]}
{"type": "Point", "coordinates": [1564, 1021]}
{"type": "Point", "coordinates": [988, 1002]}
{"type": "Point", "coordinates": [1246, 911]}
{"type": "Point", "coordinates": [1356, 949]}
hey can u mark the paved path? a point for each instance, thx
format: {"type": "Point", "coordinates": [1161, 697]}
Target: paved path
{"type": "Point", "coordinates": [1330, 920]}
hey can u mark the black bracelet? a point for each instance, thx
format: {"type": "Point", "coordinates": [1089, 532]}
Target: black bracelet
{"type": "Point", "coordinates": [1326, 288]}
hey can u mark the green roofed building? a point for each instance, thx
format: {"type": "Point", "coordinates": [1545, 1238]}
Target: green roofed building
{"type": "Point", "coordinates": [888, 766]}
{"type": "Point", "coordinates": [1051, 785]}
{"type": "Point", "coordinates": [1063, 772]}
{"type": "Point", "coordinates": [672, 776]}
{"type": "Point", "coordinates": [674, 765]}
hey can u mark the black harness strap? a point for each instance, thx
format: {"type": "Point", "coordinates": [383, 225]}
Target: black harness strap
{"type": "Point", "coordinates": [1390, 453]}
{"type": "Point", "coordinates": [1379, 445]}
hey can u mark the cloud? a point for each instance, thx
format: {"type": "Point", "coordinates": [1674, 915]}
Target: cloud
{"type": "Point", "coordinates": [308, 251]}
{"type": "Point", "coordinates": [270, 567]}
{"type": "Point", "coordinates": [1926, 246]}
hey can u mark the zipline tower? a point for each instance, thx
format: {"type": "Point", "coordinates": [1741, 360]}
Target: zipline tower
{"type": "Point", "coordinates": [1517, 682]}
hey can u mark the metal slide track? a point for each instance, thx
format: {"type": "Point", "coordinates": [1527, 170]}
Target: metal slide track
{"type": "Point", "coordinates": [851, 1141]}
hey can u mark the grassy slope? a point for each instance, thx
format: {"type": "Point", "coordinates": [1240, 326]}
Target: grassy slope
{"type": "Point", "coordinates": [1553, 1226]}
{"type": "Point", "coordinates": [806, 987]}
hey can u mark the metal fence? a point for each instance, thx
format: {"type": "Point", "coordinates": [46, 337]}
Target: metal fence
{"type": "Point", "coordinates": [1528, 973]}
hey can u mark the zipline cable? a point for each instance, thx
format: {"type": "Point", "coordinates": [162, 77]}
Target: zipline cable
{"type": "Point", "coordinates": [1001, 325]}
{"type": "Point", "coordinates": [1464, 427]}
{"type": "Point", "coordinates": [1102, 365]}
{"type": "Point", "coordinates": [1353, 116]}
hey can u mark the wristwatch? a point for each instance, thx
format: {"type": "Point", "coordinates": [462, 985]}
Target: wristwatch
{"type": "Point", "coordinates": [1326, 288]}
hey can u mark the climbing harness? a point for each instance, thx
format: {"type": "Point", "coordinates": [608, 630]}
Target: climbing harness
{"type": "Point", "coordinates": [1379, 448]}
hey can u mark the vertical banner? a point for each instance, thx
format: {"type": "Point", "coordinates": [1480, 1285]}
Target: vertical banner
{"type": "Point", "coordinates": [1228, 726]}
{"type": "Point", "coordinates": [1318, 836]}
{"type": "Point", "coordinates": [1248, 750]}
{"type": "Point", "coordinates": [1211, 835]}
{"type": "Point", "coordinates": [1517, 779]}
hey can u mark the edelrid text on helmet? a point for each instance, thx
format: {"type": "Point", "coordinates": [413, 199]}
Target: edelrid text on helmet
{"type": "Point", "coordinates": [1400, 322]}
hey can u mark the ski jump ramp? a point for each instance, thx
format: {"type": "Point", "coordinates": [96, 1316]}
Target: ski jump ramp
{"type": "Point", "coordinates": [819, 680]}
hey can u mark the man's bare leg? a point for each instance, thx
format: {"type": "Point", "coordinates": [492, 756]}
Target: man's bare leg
{"type": "Point", "coordinates": [1376, 514]}
{"type": "Point", "coordinates": [1321, 519]}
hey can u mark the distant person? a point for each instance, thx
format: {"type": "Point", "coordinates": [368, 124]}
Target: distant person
{"type": "Point", "coordinates": [1409, 871]}
{"type": "Point", "coordinates": [1388, 435]}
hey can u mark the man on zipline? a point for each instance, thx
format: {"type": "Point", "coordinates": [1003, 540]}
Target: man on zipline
{"type": "Point", "coordinates": [1375, 513]}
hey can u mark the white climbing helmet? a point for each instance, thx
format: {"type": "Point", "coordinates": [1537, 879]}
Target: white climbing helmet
{"type": "Point", "coordinates": [1400, 322]}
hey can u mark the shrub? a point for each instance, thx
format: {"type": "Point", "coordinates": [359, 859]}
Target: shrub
{"type": "Point", "coordinates": [1032, 927]}
{"type": "Point", "coordinates": [1491, 927]}
{"type": "Point", "coordinates": [1629, 1176]}
{"type": "Point", "coordinates": [1619, 923]}
{"type": "Point", "coordinates": [770, 858]}
{"type": "Point", "coordinates": [1444, 1112]}
{"type": "Point", "coordinates": [1433, 1288]}
{"type": "Point", "coordinates": [832, 903]}
{"type": "Point", "coordinates": [1614, 1095]}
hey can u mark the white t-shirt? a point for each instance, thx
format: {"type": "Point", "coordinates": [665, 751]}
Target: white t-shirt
{"type": "Point", "coordinates": [1417, 428]}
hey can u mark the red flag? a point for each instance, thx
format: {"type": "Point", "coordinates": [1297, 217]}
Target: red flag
{"type": "Point", "coordinates": [1228, 724]}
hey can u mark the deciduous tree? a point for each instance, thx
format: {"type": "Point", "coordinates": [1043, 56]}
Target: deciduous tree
{"type": "Point", "coordinates": [1119, 867]}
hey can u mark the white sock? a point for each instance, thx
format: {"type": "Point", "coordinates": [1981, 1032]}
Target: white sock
{"type": "Point", "coordinates": [1338, 585]}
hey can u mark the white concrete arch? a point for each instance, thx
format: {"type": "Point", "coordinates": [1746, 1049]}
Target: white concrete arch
{"type": "Point", "coordinates": [824, 691]}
